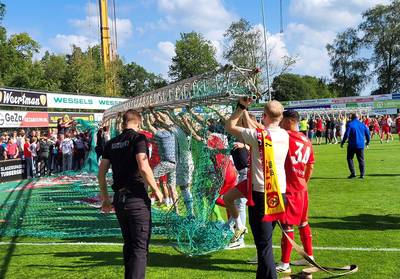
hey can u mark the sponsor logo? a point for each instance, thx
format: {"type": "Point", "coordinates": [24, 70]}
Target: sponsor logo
{"type": "Point", "coordinates": [272, 199]}
{"type": "Point", "coordinates": [10, 118]}
{"type": "Point", "coordinates": [43, 99]}
{"type": "Point", "coordinates": [22, 98]}
{"type": "Point", "coordinates": [76, 101]}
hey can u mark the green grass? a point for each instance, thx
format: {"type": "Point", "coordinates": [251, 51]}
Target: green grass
{"type": "Point", "coordinates": [343, 213]}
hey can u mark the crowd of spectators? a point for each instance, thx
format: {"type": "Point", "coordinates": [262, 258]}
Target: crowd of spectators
{"type": "Point", "coordinates": [47, 151]}
{"type": "Point", "coordinates": [332, 127]}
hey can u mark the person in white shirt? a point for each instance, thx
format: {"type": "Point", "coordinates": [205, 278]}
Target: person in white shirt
{"type": "Point", "coordinates": [34, 149]}
{"type": "Point", "coordinates": [262, 231]}
{"type": "Point", "coordinates": [67, 149]}
{"type": "Point", "coordinates": [390, 123]}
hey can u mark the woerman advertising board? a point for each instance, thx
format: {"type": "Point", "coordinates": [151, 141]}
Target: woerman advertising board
{"type": "Point", "coordinates": [21, 98]}
{"type": "Point", "coordinates": [66, 101]}
{"type": "Point", "coordinates": [23, 119]}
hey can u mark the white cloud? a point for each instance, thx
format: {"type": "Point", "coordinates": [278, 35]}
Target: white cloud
{"type": "Point", "coordinates": [161, 56]}
{"type": "Point", "coordinates": [276, 45]}
{"type": "Point", "coordinates": [331, 14]}
{"type": "Point", "coordinates": [88, 33]}
{"type": "Point", "coordinates": [63, 43]}
{"type": "Point", "coordinates": [208, 17]}
{"type": "Point", "coordinates": [167, 49]}
{"type": "Point", "coordinates": [89, 27]}
{"type": "Point", "coordinates": [317, 23]}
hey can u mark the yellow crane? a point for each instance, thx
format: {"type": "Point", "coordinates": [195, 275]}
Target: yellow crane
{"type": "Point", "coordinates": [107, 48]}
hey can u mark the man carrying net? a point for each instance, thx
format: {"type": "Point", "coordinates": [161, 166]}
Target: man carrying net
{"type": "Point", "coordinates": [269, 148]}
{"type": "Point", "coordinates": [165, 140]}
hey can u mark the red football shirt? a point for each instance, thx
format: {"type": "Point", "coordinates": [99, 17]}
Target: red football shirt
{"type": "Point", "coordinates": [300, 154]}
{"type": "Point", "coordinates": [320, 126]}
{"type": "Point", "coordinates": [154, 159]}
{"type": "Point", "coordinates": [27, 152]}
{"type": "Point", "coordinates": [398, 123]}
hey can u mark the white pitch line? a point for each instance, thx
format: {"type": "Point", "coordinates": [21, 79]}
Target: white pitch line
{"type": "Point", "coordinates": [363, 249]}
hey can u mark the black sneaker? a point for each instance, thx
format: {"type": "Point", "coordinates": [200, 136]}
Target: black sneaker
{"type": "Point", "coordinates": [361, 176]}
{"type": "Point", "coordinates": [351, 176]}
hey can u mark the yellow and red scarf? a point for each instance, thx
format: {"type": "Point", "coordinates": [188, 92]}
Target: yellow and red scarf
{"type": "Point", "coordinates": [273, 201]}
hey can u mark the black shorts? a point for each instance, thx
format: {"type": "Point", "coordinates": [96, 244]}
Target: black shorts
{"type": "Point", "coordinates": [318, 134]}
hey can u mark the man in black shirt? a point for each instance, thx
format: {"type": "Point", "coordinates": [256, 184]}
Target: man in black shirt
{"type": "Point", "coordinates": [128, 156]}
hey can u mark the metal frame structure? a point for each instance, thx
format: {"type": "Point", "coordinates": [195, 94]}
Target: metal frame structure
{"type": "Point", "coordinates": [222, 86]}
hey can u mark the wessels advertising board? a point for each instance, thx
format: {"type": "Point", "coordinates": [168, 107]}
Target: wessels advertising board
{"type": "Point", "coordinates": [66, 101]}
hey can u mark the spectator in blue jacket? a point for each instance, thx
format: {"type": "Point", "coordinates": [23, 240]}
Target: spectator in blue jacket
{"type": "Point", "coordinates": [358, 137]}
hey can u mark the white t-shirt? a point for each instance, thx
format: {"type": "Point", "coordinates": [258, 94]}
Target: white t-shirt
{"type": "Point", "coordinates": [280, 142]}
{"type": "Point", "coordinates": [67, 146]}
{"type": "Point", "coordinates": [33, 149]}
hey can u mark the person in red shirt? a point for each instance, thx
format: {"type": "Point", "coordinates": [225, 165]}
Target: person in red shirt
{"type": "Point", "coordinates": [12, 149]}
{"type": "Point", "coordinates": [398, 124]}
{"type": "Point", "coordinates": [28, 158]}
{"type": "Point", "coordinates": [154, 160]}
{"type": "Point", "coordinates": [298, 167]}
{"type": "Point", "coordinates": [320, 129]}
{"type": "Point", "coordinates": [376, 130]}
{"type": "Point", "coordinates": [385, 128]}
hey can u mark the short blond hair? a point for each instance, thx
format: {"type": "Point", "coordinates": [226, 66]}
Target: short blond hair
{"type": "Point", "coordinates": [274, 110]}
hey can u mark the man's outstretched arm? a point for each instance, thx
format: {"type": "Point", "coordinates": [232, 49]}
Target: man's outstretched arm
{"type": "Point", "coordinates": [231, 124]}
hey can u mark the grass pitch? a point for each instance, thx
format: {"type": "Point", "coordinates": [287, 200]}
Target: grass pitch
{"type": "Point", "coordinates": [345, 215]}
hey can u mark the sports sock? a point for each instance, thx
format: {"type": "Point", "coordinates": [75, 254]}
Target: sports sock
{"type": "Point", "coordinates": [286, 246]}
{"type": "Point", "coordinates": [306, 239]}
{"type": "Point", "coordinates": [238, 223]}
{"type": "Point", "coordinates": [188, 199]}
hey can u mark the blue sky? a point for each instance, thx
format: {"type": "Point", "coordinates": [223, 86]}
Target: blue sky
{"type": "Point", "coordinates": [148, 29]}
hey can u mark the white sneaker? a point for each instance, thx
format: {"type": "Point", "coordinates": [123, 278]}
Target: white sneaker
{"type": "Point", "coordinates": [236, 245]}
{"type": "Point", "coordinates": [238, 234]}
{"type": "Point", "coordinates": [253, 260]}
{"type": "Point", "coordinates": [282, 268]}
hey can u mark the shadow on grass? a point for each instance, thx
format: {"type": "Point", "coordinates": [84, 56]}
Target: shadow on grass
{"type": "Point", "coordinates": [328, 178]}
{"type": "Point", "coordinates": [102, 259]}
{"type": "Point", "coordinates": [359, 222]}
{"type": "Point", "coordinates": [384, 174]}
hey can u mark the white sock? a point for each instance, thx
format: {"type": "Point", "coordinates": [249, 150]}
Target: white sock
{"type": "Point", "coordinates": [311, 257]}
{"type": "Point", "coordinates": [239, 223]}
{"type": "Point", "coordinates": [285, 265]}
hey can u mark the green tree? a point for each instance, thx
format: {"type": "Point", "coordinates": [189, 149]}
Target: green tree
{"type": "Point", "coordinates": [135, 80]}
{"type": "Point", "coordinates": [54, 69]}
{"type": "Point", "coordinates": [349, 70]}
{"type": "Point", "coordinates": [243, 45]}
{"type": "Point", "coordinates": [194, 55]}
{"type": "Point", "coordinates": [2, 11]}
{"type": "Point", "coordinates": [292, 87]}
{"type": "Point", "coordinates": [381, 30]}
{"type": "Point", "coordinates": [85, 72]}
{"type": "Point", "coordinates": [16, 60]}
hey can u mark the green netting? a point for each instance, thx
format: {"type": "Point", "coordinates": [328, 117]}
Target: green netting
{"type": "Point", "coordinates": [67, 205]}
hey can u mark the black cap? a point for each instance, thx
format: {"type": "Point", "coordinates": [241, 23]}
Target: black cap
{"type": "Point", "coordinates": [292, 114]}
